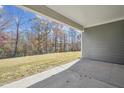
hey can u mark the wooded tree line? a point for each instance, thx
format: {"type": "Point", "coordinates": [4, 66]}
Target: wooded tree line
{"type": "Point", "coordinates": [21, 36]}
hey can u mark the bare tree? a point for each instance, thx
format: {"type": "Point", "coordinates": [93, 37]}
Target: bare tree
{"type": "Point", "coordinates": [18, 24]}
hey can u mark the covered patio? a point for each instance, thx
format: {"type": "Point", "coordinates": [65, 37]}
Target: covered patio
{"type": "Point", "coordinates": [102, 45]}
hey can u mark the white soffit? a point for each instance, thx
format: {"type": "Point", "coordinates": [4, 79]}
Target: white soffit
{"type": "Point", "coordinates": [90, 15]}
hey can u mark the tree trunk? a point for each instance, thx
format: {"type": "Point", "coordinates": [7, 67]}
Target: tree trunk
{"type": "Point", "coordinates": [16, 43]}
{"type": "Point", "coordinates": [64, 43]}
{"type": "Point", "coordinates": [55, 44]}
{"type": "Point", "coordinates": [46, 43]}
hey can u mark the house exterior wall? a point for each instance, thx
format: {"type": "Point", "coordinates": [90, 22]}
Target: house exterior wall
{"type": "Point", "coordinates": [104, 42]}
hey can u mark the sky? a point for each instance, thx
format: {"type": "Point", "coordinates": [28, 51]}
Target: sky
{"type": "Point", "coordinates": [1, 7]}
{"type": "Point", "coordinates": [15, 12]}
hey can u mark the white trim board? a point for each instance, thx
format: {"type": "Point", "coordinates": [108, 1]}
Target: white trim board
{"type": "Point", "coordinates": [28, 81]}
{"type": "Point", "coordinates": [105, 22]}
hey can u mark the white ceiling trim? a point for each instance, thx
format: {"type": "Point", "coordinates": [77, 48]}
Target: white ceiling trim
{"type": "Point", "coordinates": [106, 22]}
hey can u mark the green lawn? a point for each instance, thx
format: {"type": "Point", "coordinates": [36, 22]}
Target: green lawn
{"type": "Point", "coordinates": [13, 69]}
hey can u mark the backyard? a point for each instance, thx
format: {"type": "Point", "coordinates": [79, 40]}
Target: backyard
{"type": "Point", "coordinates": [31, 43]}
{"type": "Point", "coordinates": [13, 69]}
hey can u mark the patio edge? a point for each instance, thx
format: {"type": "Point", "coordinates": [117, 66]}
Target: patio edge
{"type": "Point", "coordinates": [28, 81]}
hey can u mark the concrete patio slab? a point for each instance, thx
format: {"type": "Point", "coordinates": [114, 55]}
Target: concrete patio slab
{"type": "Point", "coordinates": [86, 74]}
{"type": "Point", "coordinates": [70, 79]}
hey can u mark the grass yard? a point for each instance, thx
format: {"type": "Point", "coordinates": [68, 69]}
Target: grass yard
{"type": "Point", "coordinates": [13, 69]}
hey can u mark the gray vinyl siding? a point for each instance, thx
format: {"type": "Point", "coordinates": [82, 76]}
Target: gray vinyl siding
{"type": "Point", "coordinates": [105, 42]}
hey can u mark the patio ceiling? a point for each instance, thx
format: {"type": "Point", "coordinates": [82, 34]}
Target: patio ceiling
{"type": "Point", "coordinates": [81, 16]}
{"type": "Point", "coordinates": [91, 15]}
